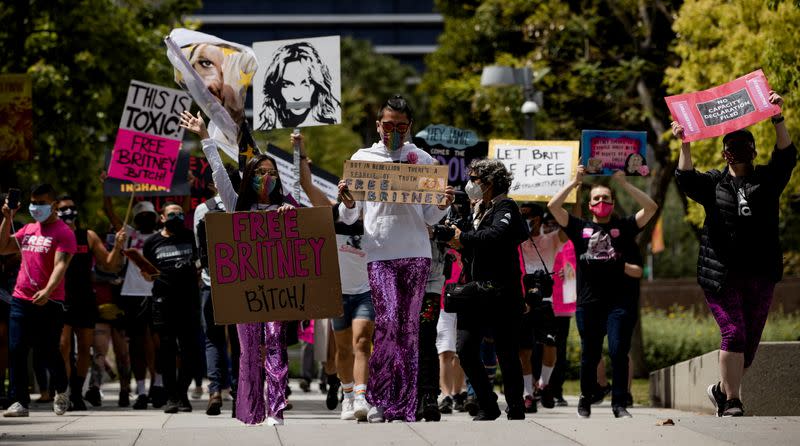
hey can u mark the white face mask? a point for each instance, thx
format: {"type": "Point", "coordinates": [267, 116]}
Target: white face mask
{"type": "Point", "coordinates": [474, 191]}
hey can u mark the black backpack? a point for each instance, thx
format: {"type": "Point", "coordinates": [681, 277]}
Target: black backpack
{"type": "Point", "coordinates": [202, 247]}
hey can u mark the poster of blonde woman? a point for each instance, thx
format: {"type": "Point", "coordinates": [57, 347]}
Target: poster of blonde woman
{"type": "Point", "coordinates": [16, 117]}
{"type": "Point", "coordinates": [217, 74]}
{"type": "Point", "coordinates": [298, 83]}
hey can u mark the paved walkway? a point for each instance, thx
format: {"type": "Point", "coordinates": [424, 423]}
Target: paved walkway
{"type": "Point", "coordinates": [310, 423]}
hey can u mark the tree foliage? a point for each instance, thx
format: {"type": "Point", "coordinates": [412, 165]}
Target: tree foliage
{"type": "Point", "coordinates": [721, 41]}
{"type": "Point", "coordinates": [81, 55]}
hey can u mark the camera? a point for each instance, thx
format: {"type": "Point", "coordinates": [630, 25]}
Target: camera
{"type": "Point", "coordinates": [442, 233]}
{"type": "Point", "coordinates": [538, 286]}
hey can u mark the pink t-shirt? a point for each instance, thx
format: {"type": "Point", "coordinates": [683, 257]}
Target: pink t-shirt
{"type": "Point", "coordinates": [39, 245]}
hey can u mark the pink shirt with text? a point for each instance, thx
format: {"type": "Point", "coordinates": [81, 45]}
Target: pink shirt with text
{"type": "Point", "coordinates": [39, 245]}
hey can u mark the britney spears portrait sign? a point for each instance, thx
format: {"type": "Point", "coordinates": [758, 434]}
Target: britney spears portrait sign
{"type": "Point", "coordinates": [723, 109]}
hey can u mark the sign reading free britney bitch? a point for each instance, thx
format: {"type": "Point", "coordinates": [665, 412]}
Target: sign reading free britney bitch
{"type": "Point", "coordinates": [149, 137]}
{"type": "Point", "coordinates": [723, 109]}
{"type": "Point", "coordinates": [271, 266]}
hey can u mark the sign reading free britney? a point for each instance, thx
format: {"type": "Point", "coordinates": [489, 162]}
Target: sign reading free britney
{"type": "Point", "coordinates": [271, 266]}
{"type": "Point", "coordinates": [723, 109]}
{"type": "Point", "coordinates": [149, 137]}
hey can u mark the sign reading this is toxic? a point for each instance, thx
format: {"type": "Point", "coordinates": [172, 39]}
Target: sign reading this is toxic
{"type": "Point", "coordinates": [540, 168]}
{"type": "Point", "coordinates": [149, 137]}
{"type": "Point", "coordinates": [396, 183]}
{"type": "Point", "coordinates": [270, 266]}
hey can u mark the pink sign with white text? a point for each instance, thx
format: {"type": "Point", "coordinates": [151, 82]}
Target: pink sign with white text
{"type": "Point", "coordinates": [723, 109]}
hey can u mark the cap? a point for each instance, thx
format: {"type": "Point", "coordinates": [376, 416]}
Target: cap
{"type": "Point", "coordinates": [738, 135]}
{"type": "Point", "coordinates": [143, 206]}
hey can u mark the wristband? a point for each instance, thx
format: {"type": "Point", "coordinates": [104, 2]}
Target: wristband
{"type": "Point", "coordinates": [777, 120]}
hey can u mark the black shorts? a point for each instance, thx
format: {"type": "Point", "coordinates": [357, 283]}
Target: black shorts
{"type": "Point", "coordinates": [82, 315]}
{"type": "Point", "coordinates": [538, 326]}
{"type": "Point", "coordinates": [138, 312]}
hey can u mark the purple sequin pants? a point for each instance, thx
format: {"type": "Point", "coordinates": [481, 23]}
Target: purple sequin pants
{"type": "Point", "coordinates": [263, 371]}
{"type": "Point", "coordinates": [398, 287]}
{"type": "Point", "coordinates": [741, 309]}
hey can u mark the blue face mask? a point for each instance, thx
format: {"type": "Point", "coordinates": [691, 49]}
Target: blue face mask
{"type": "Point", "coordinates": [40, 212]}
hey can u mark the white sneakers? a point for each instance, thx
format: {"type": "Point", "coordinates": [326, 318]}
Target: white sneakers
{"type": "Point", "coordinates": [361, 409]}
{"type": "Point", "coordinates": [61, 403]}
{"type": "Point", "coordinates": [272, 421]}
{"type": "Point", "coordinates": [348, 411]}
{"type": "Point", "coordinates": [375, 415]}
{"type": "Point", "coordinates": [16, 410]}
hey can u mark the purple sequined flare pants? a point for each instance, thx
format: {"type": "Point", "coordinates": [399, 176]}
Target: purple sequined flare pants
{"type": "Point", "coordinates": [263, 371]}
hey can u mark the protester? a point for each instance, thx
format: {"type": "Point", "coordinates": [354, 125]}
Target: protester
{"type": "Point", "coordinates": [136, 303]}
{"type": "Point", "coordinates": [398, 263]}
{"type": "Point", "coordinates": [451, 375]}
{"type": "Point", "coordinates": [263, 360]}
{"type": "Point", "coordinates": [217, 337]}
{"type": "Point", "coordinates": [740, 254]}
{"type": "Point", "coordinates": [538, 253]}
{"type": "Point", "coordinates": [37, 312]}
{"type": "Point", "coordinates": [600, 246]}
{"type": "Point", "coordinates": [80, 308]}
{"type": "Point", "coordinates": [176, 310]}
{"type": "Point", "coordinates": [489, 252]}
{"type": "Point", "coordinates": [9, 269]}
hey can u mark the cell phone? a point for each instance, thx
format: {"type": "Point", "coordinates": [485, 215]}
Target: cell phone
{"type": "Point", "coordinates": [13, 198]}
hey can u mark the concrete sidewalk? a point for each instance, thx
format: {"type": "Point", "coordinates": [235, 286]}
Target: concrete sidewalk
{"type": "Point", "coordinates": [310, 423]}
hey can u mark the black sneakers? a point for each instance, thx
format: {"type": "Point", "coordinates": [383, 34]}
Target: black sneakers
{"type": "Point", "coordinates": [446, 406]}
{"type": "Point", "coordinates": [471, 405]}
{"type": "Point", "coordinates": [717, 397]}
{"type": "Point", "coordinates": [172, 406]}
{"type": "Point", "coordinates": [124, 398]}
{"type": "Point", "coordinates": [332, 398]}
{"type": "Point", "coordinates": [427, 408]}
{"type": "Point", "coordinates": [620, 412]}
{"type": "Point", "coordinates": [489, 414]}
{"type": "Point", "coordinates": [600, 393]}
{"type": "Point", "coordinates": [158, 396]}
{"type": "Point", "coordinates": [584, 407]}
{"type": "Point", "coordinates": [547, 399]}
{"type": "Point", "coordinates": [185, 405]}
{"type": "Point", "coordinates": [733, 408]}
{"type": "Point", "coordinates": [458, 402]}
{"type": "Point", "coordinates": [93, 396]}
{"type": "Point", "coordinates": [141, 402]}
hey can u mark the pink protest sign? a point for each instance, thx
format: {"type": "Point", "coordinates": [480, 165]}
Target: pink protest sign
{"type": "Point", "coordinates": [565, 288]}
{"type": "Point", "coordinates": [605, 152]}
{"type": "Point", "coordinates": [723, 109]}
{"type": "Point", "coordinates": [149, 137]}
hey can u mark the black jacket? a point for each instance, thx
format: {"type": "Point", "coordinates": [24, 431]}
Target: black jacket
{"type": "Point", "coordinates": [490, 252]}
{"type": "Point", "coordinates": [730, 242]}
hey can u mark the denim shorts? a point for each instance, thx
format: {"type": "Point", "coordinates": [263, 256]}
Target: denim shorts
{"type": "Point", "coordinates": [356, 306]}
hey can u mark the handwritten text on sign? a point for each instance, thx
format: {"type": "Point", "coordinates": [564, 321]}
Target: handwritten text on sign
{"type": "Point", "coordinates": [396, 183]}
{"type": "Point", "coordinates": [268, 266]}
{"type": "Point", "coordinates": [723, 109]}
{"type": "Point", "coordinates": [149, 137]}
{"type": "Point", "coordinates": [540, 168]}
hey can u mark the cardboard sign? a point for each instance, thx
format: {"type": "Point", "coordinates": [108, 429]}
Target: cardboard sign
{"type": "Point", "coordinates": [723, 109]}
{"type": "Point", "coordinates": [604, 152]}
{"type": "Point", "coordinates": [16, 117]}
{"type": "Point", "coordinates": [298, 83]}
{"type": "Point", "coordinates": [454, 148]}
{"type": "Point", "coordinates": [396, 183]}
{"type": "Point", "coordinates": [324, 180]}
{"type": "Point", "coordinates": [540, 168]}
{"type": "Point", "coordinates": [149, 137]}
{"type": "Point", "coordinates": [267, 266]}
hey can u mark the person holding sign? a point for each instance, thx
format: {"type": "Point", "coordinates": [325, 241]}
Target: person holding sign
{"type": "Point", "coordinates": [740, 253]}
{"type": "Point", "coordinates": [262, 344]}
{"type": "Point", "coordinates": [600, 247]}
{"type": "Point", "coordinates": [398, 264]}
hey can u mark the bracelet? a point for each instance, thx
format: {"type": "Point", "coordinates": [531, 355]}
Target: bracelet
{"type": "Point", "coordinates": [777, 120]}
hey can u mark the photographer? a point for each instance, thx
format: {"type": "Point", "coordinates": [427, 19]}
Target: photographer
{"type": "Point", "coordinates": [491, 258]}
{"type": "Point", "coordinates": [601, 246]}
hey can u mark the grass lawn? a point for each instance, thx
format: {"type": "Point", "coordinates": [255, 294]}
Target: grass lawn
{"type": "Point", "coordinates": [640, 388]}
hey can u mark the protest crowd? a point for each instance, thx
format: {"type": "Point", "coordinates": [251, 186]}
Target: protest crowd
{"type": "Point", "coordinates": [435, 295]}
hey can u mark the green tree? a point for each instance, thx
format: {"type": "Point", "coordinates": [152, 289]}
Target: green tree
{"type": "Point", "coordinates": [81, 55]}
{"type": "Point", "coordinates": [721, 41]}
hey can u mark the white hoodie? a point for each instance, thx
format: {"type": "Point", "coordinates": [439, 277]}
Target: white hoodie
{"type": "Point", "coordinates": [393, 231]}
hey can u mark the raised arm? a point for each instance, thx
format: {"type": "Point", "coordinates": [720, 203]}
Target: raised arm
{"type": "Point", "coordinates": [556, 204]}
{"type": "Point", "coordinates": [649, 207]}
{"type": "Point", "coordinates": [782, 138]}
{"type": "Point", "coordinates": [108, 261]}
{"type": "Point", "coordinates": [7, 246]}
{"type": "Point", "coordinates": [685, 157]}
{"type": "Point", "coordinates": [315, 194]}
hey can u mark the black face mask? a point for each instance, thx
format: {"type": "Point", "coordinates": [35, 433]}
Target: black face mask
{"type": "Point", "coordinates": [174, 224]}
{"type": "Point", "coordinates": [68, 214]}
{"type": "Point", "coordinates": [145, 223]}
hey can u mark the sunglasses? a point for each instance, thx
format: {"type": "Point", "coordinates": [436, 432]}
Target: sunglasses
{"type": "Point", "coordinates": [262, 171]}
{"type": "Point", "coordinates": [68, 208]}
{"type": "Point", "coordinates": [389, 126]}
{"type": "Point", "coordinates": [172, 215]}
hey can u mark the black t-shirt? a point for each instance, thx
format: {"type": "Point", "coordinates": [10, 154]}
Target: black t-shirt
{"type": "Point", "coordinates": [175, 257]}
{"type": "Point", "coordinates": [601, 250]}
